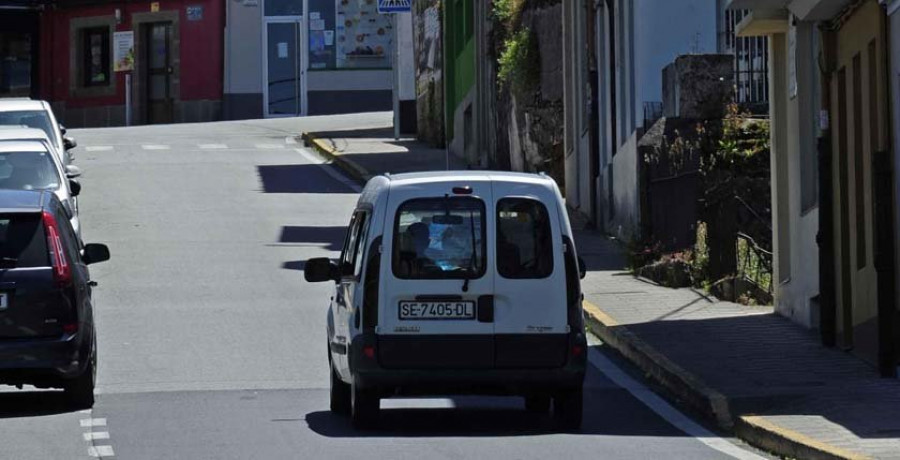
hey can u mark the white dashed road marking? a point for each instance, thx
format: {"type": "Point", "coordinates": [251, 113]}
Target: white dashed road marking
{"type": "Point", "coordinates": [213, 146]}
{"type": "Point", "coordinates": [101, 451]}
{"type": "Point", "coordinates": [96, 435]}
{"type": "Point", "coordinates": [98, 148]}
{"type": "Point", "coordinates": [155, 147]}
{"type": "Point", "coordinates": [89, 422]}
{"type": "Point", "coordinates": [269, 146]}
{"type": "Point", "coordinates": [290, 140]}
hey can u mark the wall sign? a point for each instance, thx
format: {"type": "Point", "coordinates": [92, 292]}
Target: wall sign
{"type": "Point", "coordinates": [194, 13]}
{"type": "Point", "coordinates": [154, 7]}
{"type": "Point", "coordinates": [123, 51]}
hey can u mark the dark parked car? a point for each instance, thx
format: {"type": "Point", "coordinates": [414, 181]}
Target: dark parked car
{"type": "Point", "coordinates": [47, 335]}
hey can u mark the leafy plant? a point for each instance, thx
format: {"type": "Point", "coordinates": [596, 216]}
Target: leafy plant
{"type": "Point", "coordinates": [519, 63]}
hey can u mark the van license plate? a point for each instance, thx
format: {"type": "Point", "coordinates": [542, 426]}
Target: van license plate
{"type": "Point", "coordinates": [419, 310]}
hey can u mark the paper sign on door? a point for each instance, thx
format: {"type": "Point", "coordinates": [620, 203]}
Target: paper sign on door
{"type": "Point", "coordinates": [282, 50]}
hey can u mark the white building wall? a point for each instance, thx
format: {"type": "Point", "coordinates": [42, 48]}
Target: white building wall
{"type": "Point", "coordinates": [243, 48]}
{"type": "Point", "coordinates": [662, 32]}
{"type": "Point", "coordinates": [648, 35]}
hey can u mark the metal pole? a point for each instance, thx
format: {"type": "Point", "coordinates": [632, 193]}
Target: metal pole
{"type": "Point", "coordinates": [128, 99]}
{"type": "Point", "coordinates": [396, 66]}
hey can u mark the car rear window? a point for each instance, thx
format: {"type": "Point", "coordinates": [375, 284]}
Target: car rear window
{"type": "Point", "coordinates": [37, 119]}
{"type": "Point", "coordinates": [28, 171]}
{"type": "Point", "coordinates": [22, 241]}
{"type": "Point", "coordinates": [524, 239]}
{"type": "Point", "coordinates": [439, 238]}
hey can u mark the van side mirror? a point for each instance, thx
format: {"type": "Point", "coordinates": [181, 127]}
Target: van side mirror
{"type": "Point", "coordinates": [69, 143]}
{"type": "Point", "coordinates": [74, 187]}
{"type": "Point", "coordinates": [72, 171]}
{"type": "Point", "coordinates": [320, 269]}
{"type": "Point", "coordinates": [63, 130]}
{"type": "Point", "coordinates": [94, 253]}
{"type": "Point", "coordinates": [582, 268]}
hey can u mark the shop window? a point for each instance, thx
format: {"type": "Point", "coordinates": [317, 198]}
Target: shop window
{"type": "Point", "coordinates": [95, 68]}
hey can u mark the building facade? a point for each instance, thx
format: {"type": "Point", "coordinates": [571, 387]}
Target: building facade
{"type": "Point", "coordinates": [831, 170]}
{"type": "Point", "coordinates": [105, 63]}
{"type": "Point", "coordinates": [311, 57]}
{"type": "Point", "coordinates": [623, 45]}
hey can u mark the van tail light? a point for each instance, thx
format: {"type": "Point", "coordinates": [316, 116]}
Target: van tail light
{"type": "Point", "coordinates": [577, 350]}
{"type": "Point", "coordinates": [70, 328]}
{"type": "Point", "coordinates": [62, 272]}
{"type": "Point", "coordinates": [369, 351]}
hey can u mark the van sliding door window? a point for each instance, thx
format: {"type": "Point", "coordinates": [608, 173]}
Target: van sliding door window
{"type": "Point", "coordinates": [439, 238]}
{"type": "Point", "coordinates": [524, 239]}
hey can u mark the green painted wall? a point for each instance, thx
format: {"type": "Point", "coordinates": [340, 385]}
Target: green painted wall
{"type": "Point", "coordinates": [459, 43]}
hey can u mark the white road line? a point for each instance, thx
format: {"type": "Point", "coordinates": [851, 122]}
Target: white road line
{"type": "Point", "coordinates": [101, 451]}
{"type": "Point", "coordinates": [269, 146]}
{"type": "Point", "coordinates": [96, 435]}
{"type": "Point", "coordinates": [329, 169]}
{"type": "Point", "coordinates": [213, 146]}
{"type": "Point", "coordinates": [290, 140]}
{"type": "Point", "coordinates": [665, 410]}
{"type": "Point", "coordinates": [89, 422]}
{"type": "Point", "coordinates": [98, 148]}
{"type": "Point", "coordinates": [155, 147]}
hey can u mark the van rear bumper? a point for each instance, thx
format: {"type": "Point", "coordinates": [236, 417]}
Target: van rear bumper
{"type": "Point", "coordinates": [41, 362]}
{"type": "Point", "coordinates": [518, 378]}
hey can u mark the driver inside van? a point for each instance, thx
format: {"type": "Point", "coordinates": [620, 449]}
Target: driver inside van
{"type": "Point", "coordinates": [417, 239]}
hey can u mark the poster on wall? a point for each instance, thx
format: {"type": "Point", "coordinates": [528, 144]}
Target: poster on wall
{"type": "Point", "coordinates": [320, 24]}
{"type": "Point", "coordinates": [364, 37]}
{"type": "Point", "coordinates": [123, 51]}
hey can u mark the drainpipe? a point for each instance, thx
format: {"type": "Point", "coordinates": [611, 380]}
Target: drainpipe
{"type": "Point", "coordinates": [884, 234]}
{"type": "Point", "coordinates": [825, 236]}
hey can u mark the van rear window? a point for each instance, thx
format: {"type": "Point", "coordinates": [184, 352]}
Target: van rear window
{"type": "Point", "coordinates": [439, 238]}
{"type": "Point", "coordinates": [524, 239]}
{"type": "Point", "coordinates": [22, 241]}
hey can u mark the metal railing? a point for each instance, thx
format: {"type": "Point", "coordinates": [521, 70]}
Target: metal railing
{"type": "Point", "coordinates": [754, 262]}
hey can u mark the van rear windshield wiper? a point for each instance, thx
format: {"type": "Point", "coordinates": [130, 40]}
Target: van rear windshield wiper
{"type": "Point", "coordinates": [6, 261]}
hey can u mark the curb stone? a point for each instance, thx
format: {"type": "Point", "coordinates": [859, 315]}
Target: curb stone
{"type": "Point", "coordinates": [708, 402]}
{"type": "Point", "coordinates": [327, 149]}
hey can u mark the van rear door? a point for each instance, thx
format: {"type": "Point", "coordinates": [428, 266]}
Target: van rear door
{"type": "Point", "coordinates": [530, 285]}
{"type": "Point", "coordinates": [31, 305]}
{"type": "Point", "coordinates": [436, 307]}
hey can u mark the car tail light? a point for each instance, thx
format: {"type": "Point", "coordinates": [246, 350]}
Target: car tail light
{"type": "Point", "coordinates": [62, 273]}
{"type": "Point", "coordinates": [70, 328]}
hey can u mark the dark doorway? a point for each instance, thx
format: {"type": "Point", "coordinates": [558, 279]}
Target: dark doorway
{"type": "Point", "coordinates": [158, 39]}
{"type": "Point", "coordinates": [19, 54]}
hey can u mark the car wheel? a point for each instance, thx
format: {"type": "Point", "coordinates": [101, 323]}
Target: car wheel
{"type": "Point", "coordinates": [537, 404]}
{"type": "Point", "coordinates": [80, 391]}
{"type": "Point", "coordinates": [364, 407]}
{"type": "Point", "coordinates": [340, 394]}
{"type": "Point", "coordinates": [568, 409]}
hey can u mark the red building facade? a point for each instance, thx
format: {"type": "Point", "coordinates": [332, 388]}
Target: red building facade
{"type": "Point", "coordinates": [106, 63]}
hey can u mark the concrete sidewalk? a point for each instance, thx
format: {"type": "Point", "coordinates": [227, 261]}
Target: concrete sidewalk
{"type": "Point", "coordinates": [369, 152]}
{"type": "Point", "coordinates": [745, 369]}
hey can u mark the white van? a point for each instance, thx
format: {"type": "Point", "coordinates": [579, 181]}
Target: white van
{"type": "Point", "coordinates": [456, 283]}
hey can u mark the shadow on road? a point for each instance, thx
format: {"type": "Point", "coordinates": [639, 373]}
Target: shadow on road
{"type": "Point", "coordinates": [613, 416]}
{"type": "Point", "coordinates": [33, 403]}
{"type": "Point", "coordinates": [331, 238]}
{"type": "Point", "coordinates": [298, 179]}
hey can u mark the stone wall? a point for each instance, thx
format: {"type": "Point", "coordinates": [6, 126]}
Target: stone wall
{"type": "Point", "coordinates": [533, 121]}
{"type": "Point", "coordinates": [428, 51]}
{"type": "Point", "coordinates": [698, 86]}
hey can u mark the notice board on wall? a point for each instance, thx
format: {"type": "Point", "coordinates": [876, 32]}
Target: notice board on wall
{"type": "Point", "coordinates": [321, 24]}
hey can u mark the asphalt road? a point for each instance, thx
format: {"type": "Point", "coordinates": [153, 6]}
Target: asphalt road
{"type": "Point", "coordinates": [211, 346]}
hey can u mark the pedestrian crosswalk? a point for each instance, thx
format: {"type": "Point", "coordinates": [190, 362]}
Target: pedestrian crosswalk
{"type": "Point", "coordinates": [289, 142]}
